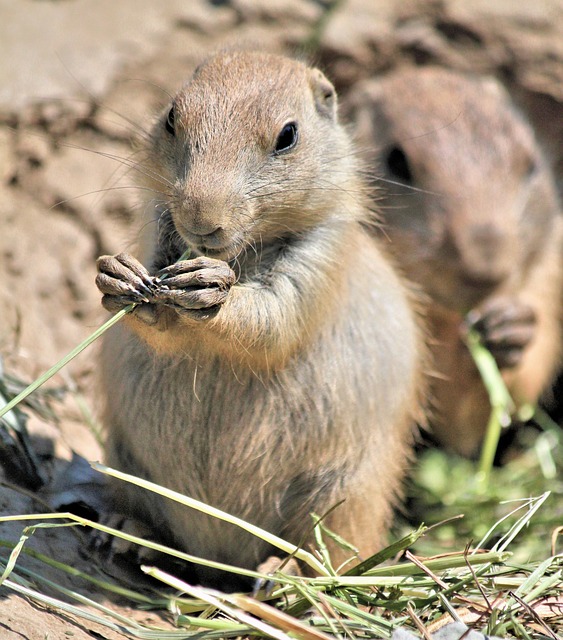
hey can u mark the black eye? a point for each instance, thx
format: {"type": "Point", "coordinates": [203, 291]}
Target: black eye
{"type": "Point", "coordinates": [287, 138]}
{"type": "Point", "coordinates": [170, 122]}
{"type": "Point", "coordinates": [398, 164]}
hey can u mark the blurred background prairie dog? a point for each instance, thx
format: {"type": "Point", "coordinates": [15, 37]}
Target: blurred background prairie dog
{"type": "Point", "coordinates": [471, 211]}
{"type": "Point", "coordinates": [279, 370]}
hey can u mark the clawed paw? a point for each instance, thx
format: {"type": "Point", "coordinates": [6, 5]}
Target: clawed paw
{"type": "Point", "coordinates": [123, 280]}
{"type": "Point", "coordinates": [198, 285]}
{"type": "Point", "coordinates": [272, 565]}
{"type": "Point", "coordinates": [195, 287]}
{"type": "Point", "coordinates": [507, 326]}
{"type": "Point", "coordinates": [111, 547]}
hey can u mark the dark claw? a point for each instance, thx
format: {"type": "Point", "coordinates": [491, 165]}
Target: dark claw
{"type": "Point", "coordinates": [137, 268]}
{"type": "Point", "coordinates": [126, 269]}
{"type": "Point", "coordinates": [195, 287]}
{"type": "Point", "coordinates": [114, 287]}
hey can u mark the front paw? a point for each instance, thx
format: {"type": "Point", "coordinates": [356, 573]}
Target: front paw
{"type": "Point", "coordinates": [123, 281]}
{"type": "Point", "coordinates": [195, 287]}
{"type": "Point", "coordinates": [112, 547]}
{"type": "Point", "coordinates": [507, 326]}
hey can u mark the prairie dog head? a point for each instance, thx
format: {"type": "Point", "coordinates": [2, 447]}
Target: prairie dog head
{"type": "Point", "coordinates": [464, 190]}
{"type": "Point", "coordinates": [246, 153]}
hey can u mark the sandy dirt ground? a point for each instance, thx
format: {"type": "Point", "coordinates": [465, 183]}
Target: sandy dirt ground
{"type": "Point", "coordinates": [80, 79]}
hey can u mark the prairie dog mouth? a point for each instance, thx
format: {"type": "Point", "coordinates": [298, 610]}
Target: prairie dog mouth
{"type": "Point", "coordinates": [227, 252]}
{"type": "Point", "coordinates": [223, 253]}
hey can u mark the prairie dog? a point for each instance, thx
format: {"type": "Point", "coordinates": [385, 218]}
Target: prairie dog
{"type": "Point", "coordinates": [265, 375]}
{"type": "Point", "coordinates": [472, 214]}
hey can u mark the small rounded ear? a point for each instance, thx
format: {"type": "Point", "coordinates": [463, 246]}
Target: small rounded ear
{"type": "Point", "coordinates": [324, 94]}
{"type": "Point", "coordinates": [366, 94]}
{"type": "Point", "coordinates": [362, 108]}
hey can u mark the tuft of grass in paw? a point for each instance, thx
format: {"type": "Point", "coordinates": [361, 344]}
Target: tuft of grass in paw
{"type": "Point", "coordinates": [75, 352]}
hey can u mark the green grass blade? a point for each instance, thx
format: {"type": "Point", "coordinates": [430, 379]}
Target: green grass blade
{"type": "Point", "coordinates": [64, 361]}
{"type": "Point", "coordinates": [385, 554]}
{"type": "Point", "coordinates": [149, 544]}
{"type": "Point", "coordinates": [76, 351]}
{"type": "Point", "coordinates": [77, 573]}
{"type": "Point", "coordinates": [502, 404]}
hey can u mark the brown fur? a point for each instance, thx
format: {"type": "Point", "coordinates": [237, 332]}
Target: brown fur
{"type": "Point", "coordinates": [292, 392]}
{"type": "Point", "coordinates": [481, 231]}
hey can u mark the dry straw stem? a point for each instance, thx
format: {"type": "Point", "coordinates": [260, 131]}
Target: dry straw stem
{"type": "Point", "coordinates": [70, 570]}
{"type": "Point", "coordinates": [136, 540]}
{"type": "Point", "coordinates": [345, 604]}
{"type": "Point", "coordinates": [108, 617]}
{"type": "Point", "coordinates": [249, 611]}
{"type": "Point", "coordinates": [270, 538]}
